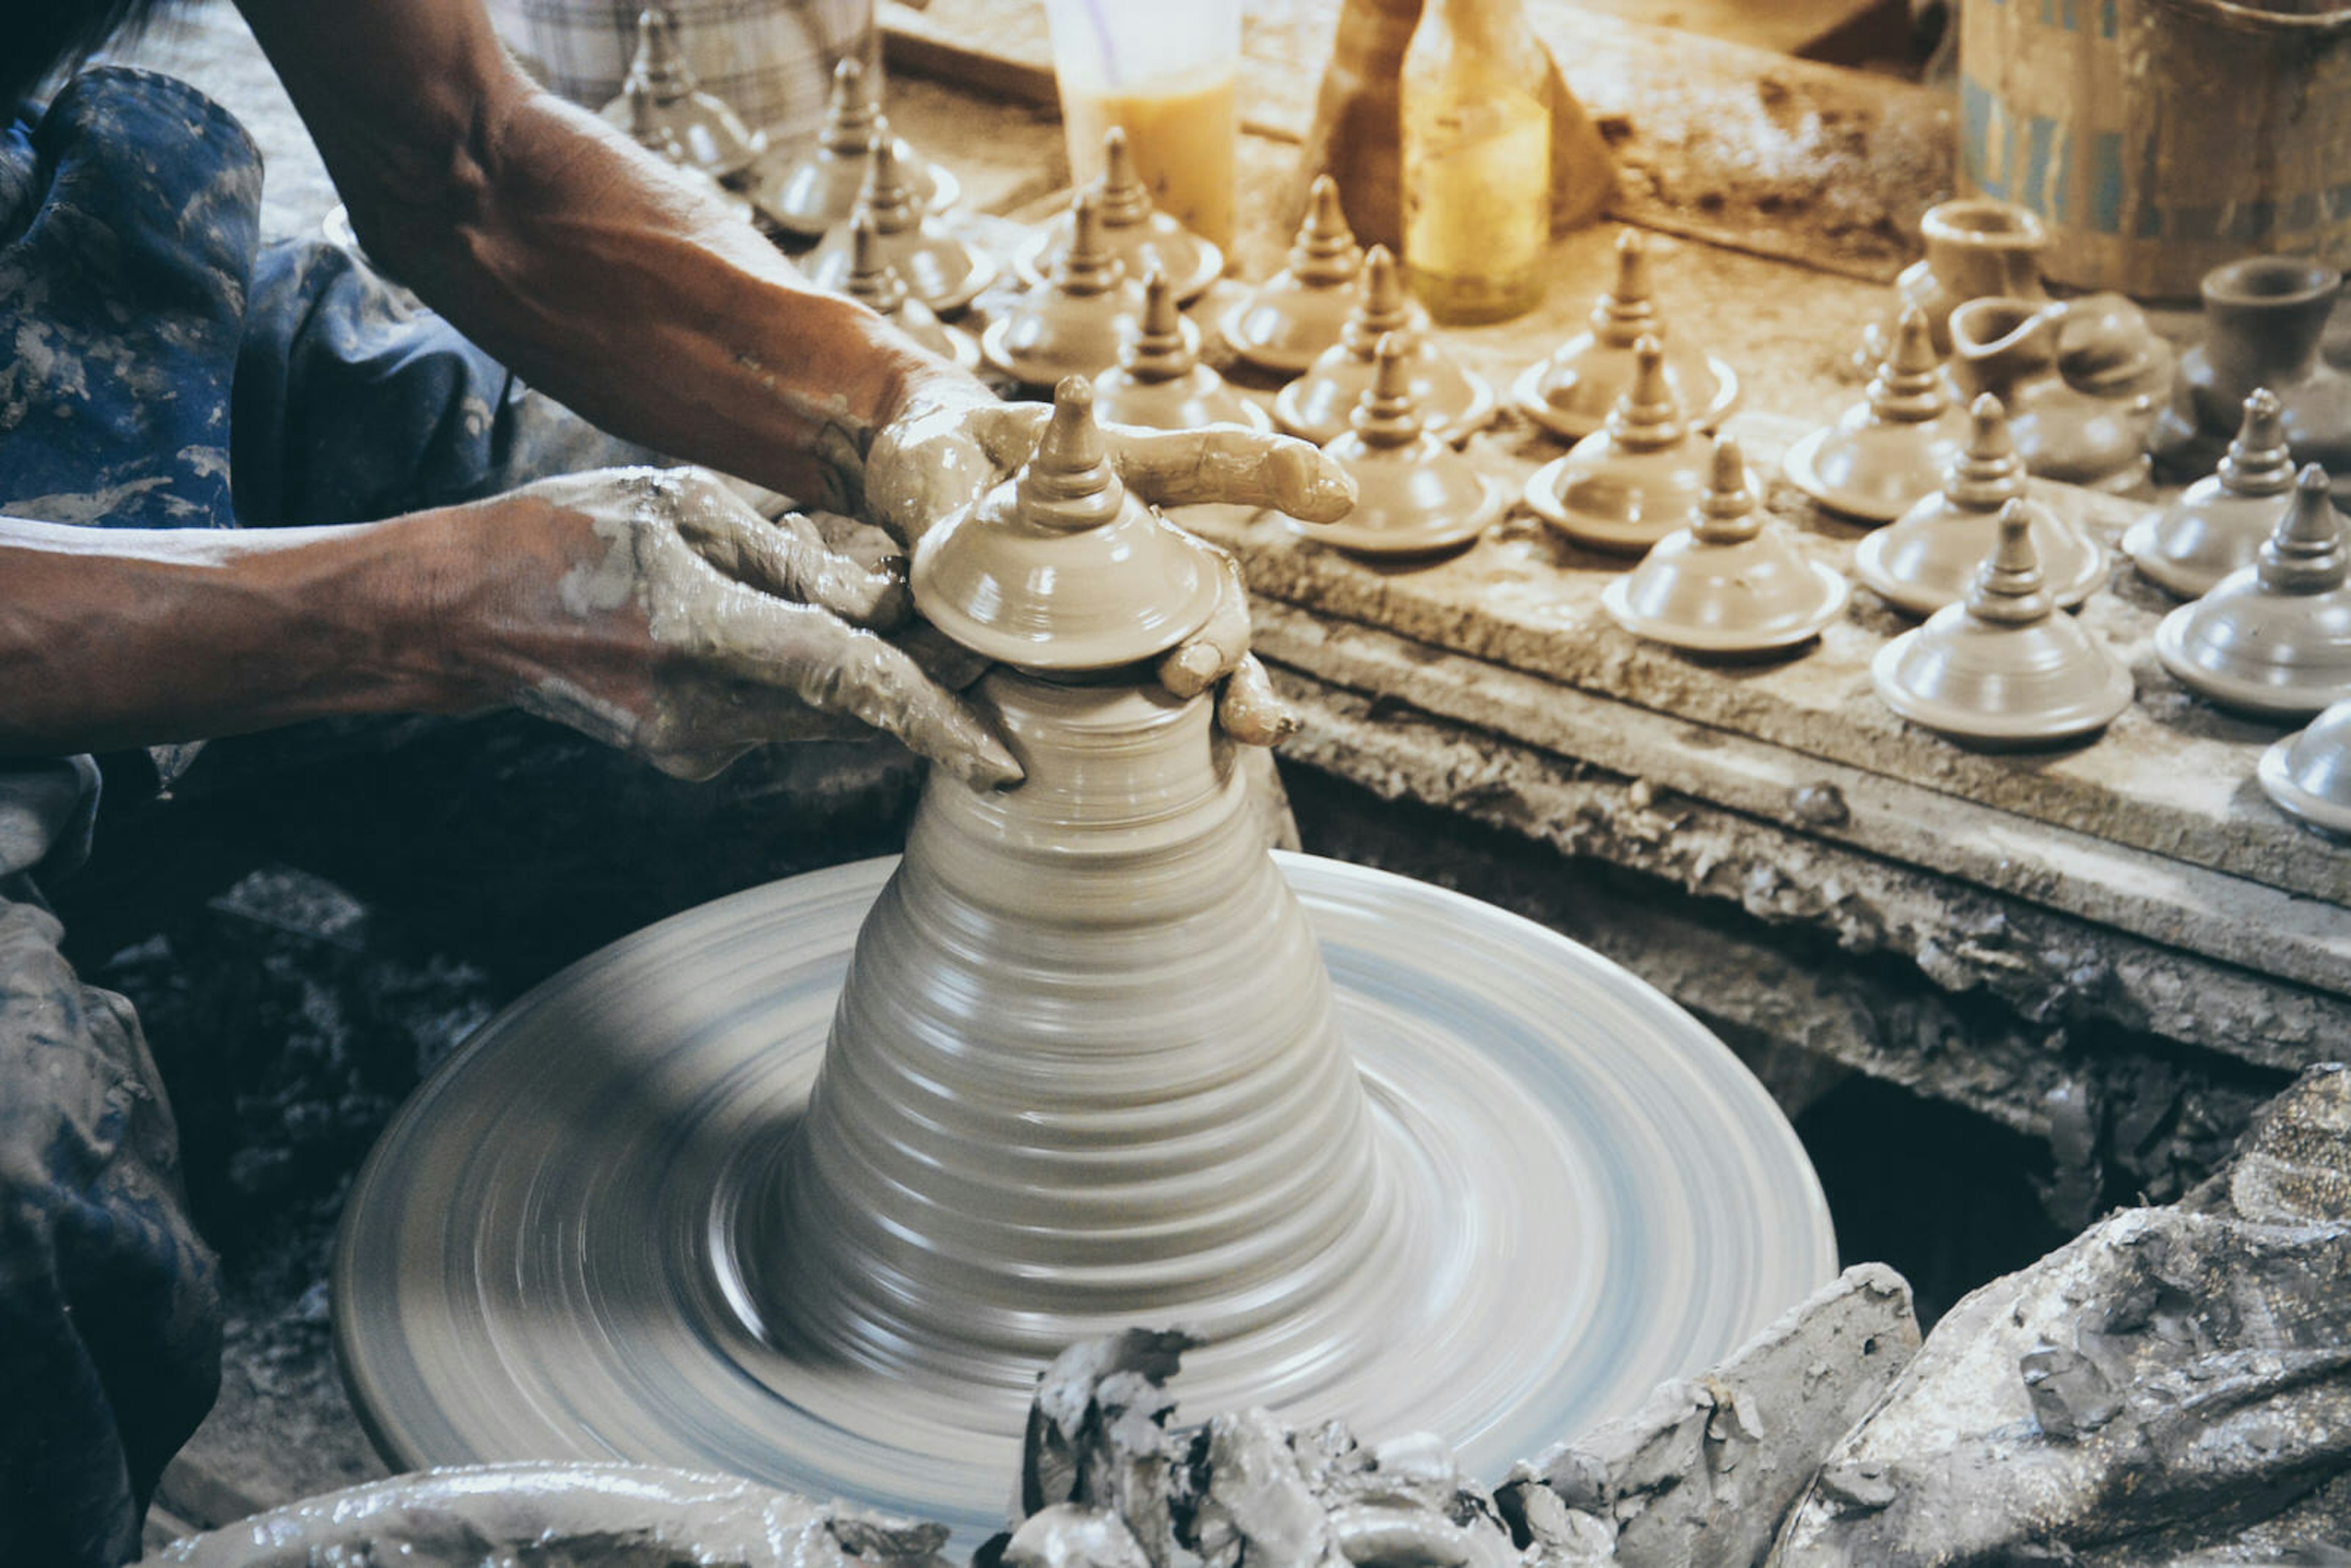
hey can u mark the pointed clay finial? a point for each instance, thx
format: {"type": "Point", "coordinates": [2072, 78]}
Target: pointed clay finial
{"type": "Point", "coordinates": [1987, 474]}
{"type": "Point", "coordinates": [871, 278]}
{"type": "Point", "coordinates": [1125, 198]}
{"type": "Point", "coordinates": [2008, 587]}
{"type": "Point", "coordinates": [1906, 389]}
{"type": "Point", "coordinates": [1387, 415]}
{"type": "Point", "coordinates": [1326, 250]}
{"type": "Point", "coordinates": [1156, 350]}
{"type": "Point", "coordinates": [1646, 418]}
{"type": "Point", "coordinates": [659, 66]}
{"type": "Point", "coordinates": [1087, 266]}
{"type": "Point", "coordinates": [1727, 516]}
{"type": "Point", "coordinates": [2257, 462]}
{"type": "Point", "coordinates": [1382, 310]}
{"type": "Point", "coordinates": [886, 194]}
{"type": "Point", "coordinates": [849, 114]}
{"type": "Point", "coordinates": [2305, 555]}
{"type": "Point", "coordinates": [1626, 312]}
{"type": "Point", "coordinates": [1068, 482]}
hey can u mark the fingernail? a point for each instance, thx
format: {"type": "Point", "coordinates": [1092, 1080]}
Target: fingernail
{"type": "Point", "coordinates": [1318, 489]}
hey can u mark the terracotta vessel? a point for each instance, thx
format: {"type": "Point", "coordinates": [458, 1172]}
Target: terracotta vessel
{"type": "Point", "coordinates": [1977, 248]}
{"type": "Point", "coordinates": [2264, 319]}
{"type": "Point", "coordinates": [1930, 556]}
{"type": "Point", "coordinates": [942, 269]}
{"type": "Point", "coordinates": [875, 284]}
{"type": "Point", "coordinates": [1888, 452]}
{"type": "Point", "coordinates": [812, 195]}
{"type": "Point", "coordinates": [1732, 584]}
{"type": "Point", "coordinates": [1159, 381]}
{"type": "Point", "coordinates": [1133, 229]}
{"type": "Point", "coordinates": [2273, 638]}
{"type": "Point", "coordinates": [2008, 348]}
{"type": "Point", "coordinates": [2002, 668]}
{"type": "Point", "coordinates": [2220, 523]}
{"type": "Point", "coordinates": [1300, 311]}
{"type": "Point", "coordinates": [1072, 326]}
{"type": "Point", "coordinates": [1572, 391]}
{"type": "Point", "coordinates": [1414, 494]}
{"type": "Point", "coordinates": [664, 106]}
{"type": "Point", "coordinates": [1318, 405]}
{"type": "Point", "coordinates": [2308, 773]}
{"type": "Point", "coordinates": [1629, 485]}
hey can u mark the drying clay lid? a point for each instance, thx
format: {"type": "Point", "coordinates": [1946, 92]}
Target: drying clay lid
{"type": "Point", "coordinates": [819, 190]}
{"type": "Point", "coordinates": [1133, 229]}
{"type": "Point", "coordinates": [2308, 773]}
{"type": "Point", "coordinates": [2220, 523]}
{"type": "Point", "coordinates": [1733, 583]}
{"type": "Point", "coordinates": [1414, 494]}
{"type": "Point", "coordinates": [1318, 405]}
{"type": "Point", "coordinates": [662, 104]}
{"type": "Point", "coordinates": [1073, 325]}
{"type": "Point", "coordinates": [943, 269]}
{"type": "Point", "coordinates": [1059, 567]}
{"type": "Point", "coordinates": [1888, 452]}
{"type": "Point", "coordinates": [1300, 311]}
{"type": "Point", "coordinates": [2003, 668]}
{"type": "Point", "coordinates": [1159, 381]}
{"type": "Point", "coordinates": [2273, 638]}
{"type": "Point", "coordinates": [1571, 392]}
{"type": "Point", "coordinates": [1633, 483]}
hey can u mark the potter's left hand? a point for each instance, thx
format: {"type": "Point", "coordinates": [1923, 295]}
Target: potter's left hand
{"type": "Point", "coordinates": [951, 440]}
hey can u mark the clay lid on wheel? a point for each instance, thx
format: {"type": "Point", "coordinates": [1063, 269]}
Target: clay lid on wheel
{"type": "Point", "coordinates": [2220, 523]}
{"type": "Point", "coordinates": [1633, 483]}
{"type": "Point", "coordinates": [1059, 567]}
{"type": "Point", "coordinates": [662, 104]}
{"type": "Point", "coordinates": [2273, 638]}
{"type": "Point", "coordinates": [2003, 668]}
{"type": "Point", "coordinates": [1159, 381]}
{"type": "Point", "coordinates": [1571, 392]}
{"type": "Point", "coordinates": [942, 268]}
{"type": "Point", "coordinates": [1072, 326]}
{"type": "Point", "coordinates": [1930, 556]}
{"type": "Point", "coordinates": [2308, 773]}
{"type": "Point", "coordinates": [1319, 404]}
{"type": "Point", "coordinates": [1133, 229]}
{"type": "Point", "coordinates": [1414, 494]}
{"type": "Point", "coordinates": [817, 190]}
{"type": "Point", "coordinates": [1300, 311]}
{"type": "Point", "coordinates": [1886, 453]}
{"type": "Point", "coordinates": [1734, 583]}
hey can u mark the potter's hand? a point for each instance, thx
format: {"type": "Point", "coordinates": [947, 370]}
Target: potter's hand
{"type": "Point", "coordinates": [657, 610]}
{"type": "Point", "coordinates": [951, 441]}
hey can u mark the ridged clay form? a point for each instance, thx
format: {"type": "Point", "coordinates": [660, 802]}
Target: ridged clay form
{"type": "Point", "coordinates": [1159, 381]}
{"type": "Point", "coordinates": [2002, 668]}
{"type": "Point", "coordinates": [1414, 494]}
{"type": "Point", "coordinates": [1629, 485]}
{"type": "Point", "coordinates": [664, 106]}
{"type": "Point", "coordinates": [875, 283]}
{"type": "Point", "coordinates": [1930, 556]}
{"type": "Point", "coordinates": [819, 190]}
{"type": "Point", "coordinates": [1318, 405]}
{"type": "Point", "coordinates": [942, 268]}
{"type": "Point", "coordinates": [1888, 452]}
{"type": "Point", "coordinates": [2220, 523]}
{"type": "Point", "coordinates": [1073, 325]}
{"type": "Point", "coordinates": [2308, 773]}
{"type": "Point", "coordinates": [1572, 391]}
{"type": "Point", "coordinates": [2008, 348]}
{"type": "Point", "coordinates": [2264, 326]}
{"type": "Point", "coordinates": [1732, 584]}
{"type": "Point", "coordinates": [1133, 229]}
{"type": "Point", "coordinates": [2273, 638]}
{"type": "Point", "coordinates": [1300, 311]}
{"type": "Point", "coordinates": [1059, 567]}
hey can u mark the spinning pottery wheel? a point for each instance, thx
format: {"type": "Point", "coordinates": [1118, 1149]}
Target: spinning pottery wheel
{"type": "Point", "coordinates": [1089, 1059]}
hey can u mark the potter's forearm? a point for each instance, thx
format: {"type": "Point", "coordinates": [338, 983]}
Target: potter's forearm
{"type": "Point", "coordinates": [119, 638]}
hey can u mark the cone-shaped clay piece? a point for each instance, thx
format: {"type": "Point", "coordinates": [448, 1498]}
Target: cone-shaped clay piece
{"type": "Point", "coordinates": [2273, 638]}
{"type": "Point", "coordinates": [1627, 485]}
{"type": "Point", "coordinates": [662, 104]}
{"type": "Point", "coordinates": [1300, 311]}
{"type": "Point", "coordinates": [2003, 667]}
{"type": "Point", "coordinates": [1930, 557]}
{"type": "Point", "coordinates": [1888, 452]}
{"type": "Point", "coordinates": [1133, 229]}
{"type": "Point", "coordinates": [2220, 522]}
{"type": "Point", "coordinates": [1414, 494]}
{"type": "Point", "coordinates": [1733, 583]}
{"type": "Point", "coordinates": [874, 282]}
{"type": "Point", "coordinates": [1159, 381]}
{"type": "Point", "coordinates": [1059, 567]}
{"type": "Point", "coordinates": [1573, 392]}
{"type": "Point", "coordinates": [1072, 326]}
{"type": "Point", "coordinates": [1317, 406]}
{"type": "Point", "coordinates": [944, 270]}
{"type": "Point", "coordinates": [818, 191]}
{"type": "Point", "coordinates": [2308, 773]}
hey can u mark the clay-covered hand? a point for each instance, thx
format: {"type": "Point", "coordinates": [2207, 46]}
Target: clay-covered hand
{"type": "Point", "coordinates": [657, 610]}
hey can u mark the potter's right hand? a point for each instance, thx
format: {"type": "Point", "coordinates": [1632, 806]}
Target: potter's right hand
{"type": "Point", "coordinates": [656, 610]}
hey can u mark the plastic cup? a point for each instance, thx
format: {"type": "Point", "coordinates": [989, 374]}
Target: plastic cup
{"type": "Point", "coordinates": [1165, 74]}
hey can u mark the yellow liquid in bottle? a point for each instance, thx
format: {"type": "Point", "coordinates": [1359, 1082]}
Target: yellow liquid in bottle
{"type": "Point", "coordinates": [1182, 134]}
{"type": "Point", "coordinates": [1476, 201]}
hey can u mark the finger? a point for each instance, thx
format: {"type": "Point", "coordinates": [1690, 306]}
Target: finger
{"type": "Point", "coordinates": [1227, 463]}
{"type": "Point", "coordinates": [852, 539]}
{"type": "Point", "coordinates": [787, 558]}
{"type": "Point", "coordinates": [1209, 654]}
{"type": "Point", "coordinates": [1250, 710]}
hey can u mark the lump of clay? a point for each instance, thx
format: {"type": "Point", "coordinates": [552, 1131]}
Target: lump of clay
{"type": "Point", "coordinates": [1159, 381]}
{"type": "Point", "coordinates": [1573, 392]}
{"type": "Point", "coordinates": [2273, 638]}
{"type": "Point", "coordinates": [819, 189]}
{"type": "Point", "coordinates": [1317, 406]}
{"type": "Point", "coordinates": [1300, 311]}
{"type": "Point", "coordinates": [1072, 326]}
{"type": "Point", "coordinates": [1888, 452]}
{"type": "Point", "coordinates": [1634, 481]}
{"type": "Point", "coordinates": [1133, 229]}
{"type": "Point", "coordinates": [945, 271]}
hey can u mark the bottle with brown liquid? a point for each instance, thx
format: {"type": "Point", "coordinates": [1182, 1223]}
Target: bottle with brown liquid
{"type": "Point", "coordinates": [1477, 161]}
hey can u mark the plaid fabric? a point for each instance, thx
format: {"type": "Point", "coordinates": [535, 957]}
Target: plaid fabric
{"type": "Point", "coordinates": [771, 61]}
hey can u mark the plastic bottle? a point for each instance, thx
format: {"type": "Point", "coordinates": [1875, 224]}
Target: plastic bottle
{"type": "Point", "coordinates": [1477, 161]}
